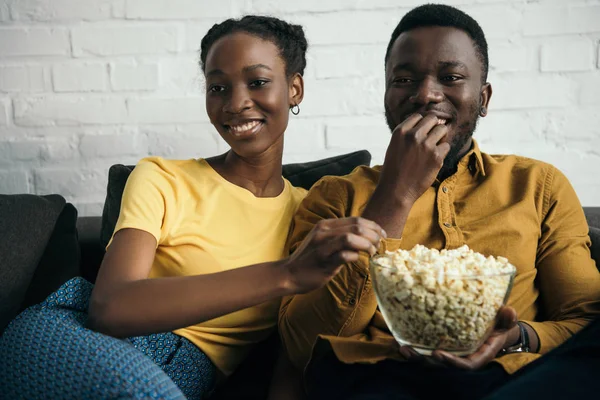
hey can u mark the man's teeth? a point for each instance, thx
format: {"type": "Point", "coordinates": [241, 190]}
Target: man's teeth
{"type": "Point", "coordinates": [441, 121]}
{"type": "Point", "coordinates": [244, 127]}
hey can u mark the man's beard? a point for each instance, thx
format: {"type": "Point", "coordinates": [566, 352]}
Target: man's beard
{"type": "Point", "coordinates": [464, 133]}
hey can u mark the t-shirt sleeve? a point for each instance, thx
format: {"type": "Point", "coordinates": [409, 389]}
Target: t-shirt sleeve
{"type": "Point", "coordinates": [147, 192]}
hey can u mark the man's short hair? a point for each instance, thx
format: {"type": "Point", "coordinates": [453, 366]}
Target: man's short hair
{"type": "Point", "coordinates": [443, 15]}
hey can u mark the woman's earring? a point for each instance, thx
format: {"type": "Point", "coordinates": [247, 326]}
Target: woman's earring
{"type": "Point", "coordinates": [483, 111]}
{"type": "Point", "coordinates": [295, 109]}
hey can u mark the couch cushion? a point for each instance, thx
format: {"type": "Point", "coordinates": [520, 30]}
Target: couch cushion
{"type": "Point", "coordinates": [117, 177]}
{"type": "Point", "coordinates": [92, 252]}
{"type": "Point", "coordinates": [592, 214]}
{"type": "Point", "coordinates": [307, 174]}
{"type": "Point", "coordinates": [595, 236]}
{"type": "Point", "coordinates": [60, 261]}
{"type": "Point", "coordinates": [300, 174]}
{"type": "Point", "coordinates": [26, 225]}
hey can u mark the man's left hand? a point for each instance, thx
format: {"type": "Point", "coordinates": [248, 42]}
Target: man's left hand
{"type": "Point", "coordinates": [504, 335]}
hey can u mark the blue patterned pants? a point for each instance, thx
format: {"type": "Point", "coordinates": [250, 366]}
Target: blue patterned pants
{"type": "Point", "coordinates": [47, 353]}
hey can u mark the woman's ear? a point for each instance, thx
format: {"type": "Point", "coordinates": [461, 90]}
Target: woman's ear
{"type": "Point", "coordinates": [296, 92]}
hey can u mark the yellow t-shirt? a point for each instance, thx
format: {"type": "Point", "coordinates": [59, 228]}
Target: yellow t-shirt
{"type": "Point", "coordinates": [205, 224]}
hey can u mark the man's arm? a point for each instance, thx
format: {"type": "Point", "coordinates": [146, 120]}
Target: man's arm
{"type": "Point", "coordinates": [568, 279]}
{"type": "Point", "coordinates": [337, 308]}
{"type": "Point", "coordinates": [346, 304]}
{"type": "Point", "coordinates": [413, 159]}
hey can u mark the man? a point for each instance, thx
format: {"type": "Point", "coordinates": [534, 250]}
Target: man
{"type": "Point", "coordinates": [436, 188]}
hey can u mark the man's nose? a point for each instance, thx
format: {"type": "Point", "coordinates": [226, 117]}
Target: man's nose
{"type": "Point", "coordinates": [427, 91]}
{"type": "Point", "coordinates": [238, 101]}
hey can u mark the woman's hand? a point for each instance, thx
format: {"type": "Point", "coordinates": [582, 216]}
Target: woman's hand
{"type": "Point", "coordinates": [329, 245]}
{"type": "Point", "coordinates": [505, 334]}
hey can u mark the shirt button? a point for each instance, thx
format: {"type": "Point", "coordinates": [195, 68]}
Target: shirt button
{"type": "Point", "coordinates": [352, 301]}
{"type": "Point", "coordinates": [445, 189]}
{"type": "Point", "coordinates": [447, 224]}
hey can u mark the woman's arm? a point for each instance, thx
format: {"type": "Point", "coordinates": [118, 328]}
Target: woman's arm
{"type": "Point", "coordinates": [126, 303]}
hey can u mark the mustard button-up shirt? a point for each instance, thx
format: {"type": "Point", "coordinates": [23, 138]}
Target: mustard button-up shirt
{"type": "Point", "coordinates": [519, 208]}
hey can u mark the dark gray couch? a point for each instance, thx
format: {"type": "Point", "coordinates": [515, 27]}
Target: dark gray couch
{"type": "Point", "coordinates": [43, 244]}
{"type": "Point", "coordinates": [251, 379]}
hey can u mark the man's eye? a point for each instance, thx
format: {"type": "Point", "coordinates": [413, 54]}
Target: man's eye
{"type": "Point", "coordinates": [216, 88]}
{"type": "Point", "coordinates": [403, 81]}
{"type": "Point", "coordinates": [450, 78]}
{"type": "Point", "coordinates": [258, 83]}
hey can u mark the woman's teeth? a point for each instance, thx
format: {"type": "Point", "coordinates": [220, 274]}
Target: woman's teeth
{"type": "Point", "coordinates": [441, 121]}
{"type": "Point", "coordinates": [244, 127]}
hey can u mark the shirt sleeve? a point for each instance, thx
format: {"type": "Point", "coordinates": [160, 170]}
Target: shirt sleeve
{"type": "Point", "coordinates": [143, 206]}
{"type": "Point", "coordinates": [568, 280]}
{"type": "Point", "coordinates": [340, 307]}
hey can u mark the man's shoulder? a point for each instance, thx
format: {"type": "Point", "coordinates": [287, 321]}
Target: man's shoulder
{"type": "Point", "coordinates": [515, 165]}
{"type": "Point", "coordinates": [358, 178]}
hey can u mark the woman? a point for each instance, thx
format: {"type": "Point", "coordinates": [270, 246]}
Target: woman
{"type": "Point", "coordinates": [198, 248]}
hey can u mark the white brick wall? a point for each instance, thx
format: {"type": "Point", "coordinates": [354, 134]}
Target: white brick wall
{"type": "Point", "coordinates": [85, 84]}
{"type": "Point", "coordinates": [119, 39]}
{"type": "Point", "coordinates": [60, 10]}
{"type": "Point", "coordinates": [34, 41]}
{"type": "Point", "coordinates": [22, 78]}
{"type": "Point", "coordinates": [78, 77]}
{"type": "Point", "coordinates": [134, 76]}
{"type": "Point", "coordinates": [4, 111]}
{"type": "Point", "coordinates": [568, 54]}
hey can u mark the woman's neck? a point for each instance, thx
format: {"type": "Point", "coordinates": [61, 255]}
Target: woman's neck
{"type": "Point", "coordinates": [261, 175]}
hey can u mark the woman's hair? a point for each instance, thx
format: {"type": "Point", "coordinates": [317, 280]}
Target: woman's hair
{"type": "Point", "coordinates": [288, 38]}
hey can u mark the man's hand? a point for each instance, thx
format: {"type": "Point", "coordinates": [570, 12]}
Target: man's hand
{"type": "Point", "coordinates": [503, 336]}
{"type": "Point", "coordinates": [414, 156]}
{"type": "Point", "coordinates": [413, 160]}
{"type": "Point", "coordinates": [328, 246]}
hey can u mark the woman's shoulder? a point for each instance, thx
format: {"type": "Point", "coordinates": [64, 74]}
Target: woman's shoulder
{"type": "Point", "coordinates": [158, 163]}
{"type": "Point", "coordinates": [296, 193]}
{"type": "Point", "coordinates": [159, 168]}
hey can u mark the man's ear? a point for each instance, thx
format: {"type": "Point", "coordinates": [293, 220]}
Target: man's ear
{"type": "Point", "coordinates": [486, 95]}
{"type": "Point", "coordinates": [296, 91]}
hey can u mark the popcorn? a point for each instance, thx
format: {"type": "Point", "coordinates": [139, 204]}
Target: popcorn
{"type": "Point", "coordinates": [445, 299]}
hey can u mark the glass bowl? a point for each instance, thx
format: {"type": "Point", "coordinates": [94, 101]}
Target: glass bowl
{"type": "Point", "coordinates": [451, 312]}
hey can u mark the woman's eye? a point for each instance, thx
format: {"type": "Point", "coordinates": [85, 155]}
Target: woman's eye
{"type": "Point", "coordinates": [403, 80]}
{"type": "Point", "coordinates": [216, 88]}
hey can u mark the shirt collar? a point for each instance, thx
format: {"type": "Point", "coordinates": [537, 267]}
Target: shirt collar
{"type": "Point", "coordinates": [474, 160]}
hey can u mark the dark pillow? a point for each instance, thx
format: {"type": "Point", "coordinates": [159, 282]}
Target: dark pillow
{"type": "Point", "coordinates": [117, 178]}
{"type": "Point", "coordinates": [60, 261]}
{"type": "Point", "coordinates": [300, 174]}
{"type": "Point", "coordinates": [595, 236]}
{"type": "Point", "coordinates": [307, 174]}
{"type": "Point", "coordinates": [92, 252]}
{"type": "Point", "coordinates": [26, 224]}
{"type": "Point", "coordinates": [592, 214]}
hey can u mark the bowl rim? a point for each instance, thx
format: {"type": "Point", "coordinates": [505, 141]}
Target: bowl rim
{"type": "Point", "coordinates": [513, 272]}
